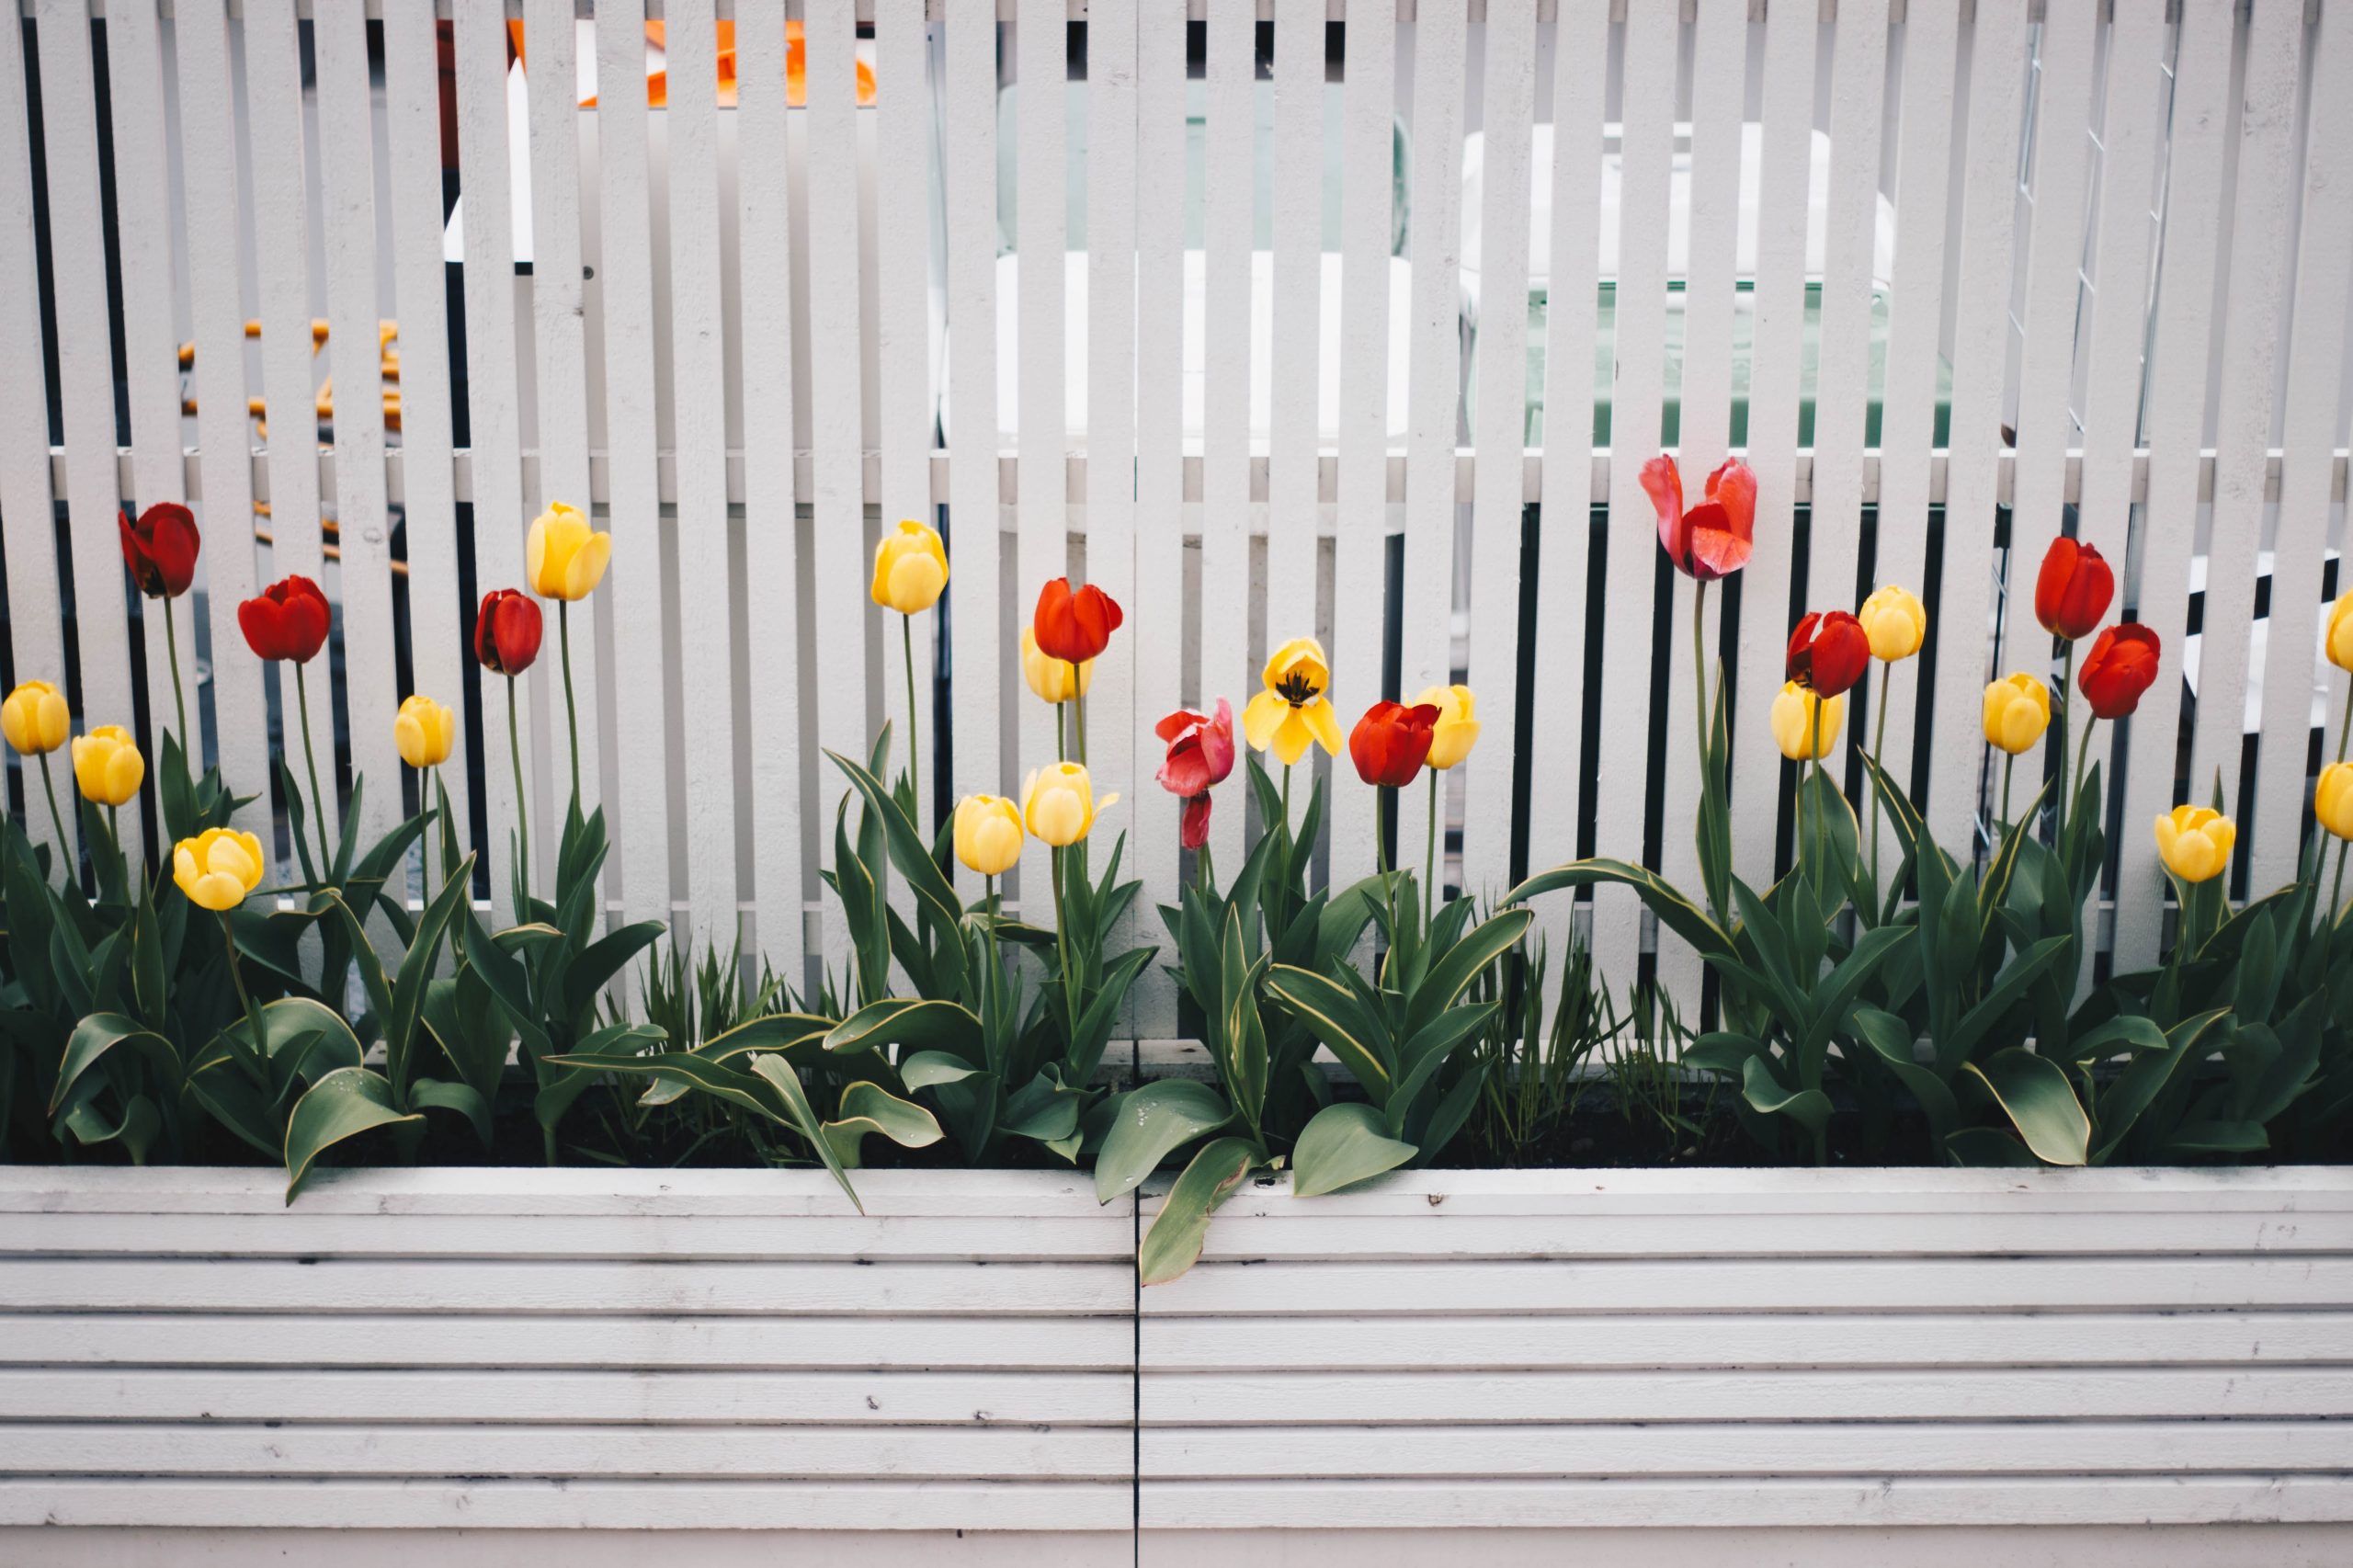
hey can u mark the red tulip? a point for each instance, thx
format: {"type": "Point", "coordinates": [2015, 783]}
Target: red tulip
{"type": "Point", "coordinates": [1074, 625]}
{"type": "Point", "coordinates": [1193, 826]}
{"type": "Point", "coordinates": [1711, 540]}
{"type": "Point", "coordinates": [1828, 653]}
{"type": "Point", "coordinates": [1201, 749]}
{"type": "Point", "coordinates": [1391, 743]}
{"type": "Point", "coordinates": [506, 633]}
{"type": "Point", "coordinates": [2121, 665]}
{"type": "Point", "coordinates": [2074, 589]}
{"type": "Point", "coordinates": [161, 548]}
{"type": "Point", "coordinates": [286, 620]}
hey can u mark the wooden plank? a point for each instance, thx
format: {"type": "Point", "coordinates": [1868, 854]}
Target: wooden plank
{"type": "Point", "coordinates": [1360, 548]}
{"type": "Point", "coordinates": [1041, 40]}
{"type": "Point", "coordinates": [28, 507]}
{"type": "Point", "coordinates": [699, 377]}
{"type": "Point", "coordinates": [440, 621]}
{"type": "Point", "coordinates": [494, 410]}
{"type": "Point", "coordinates": [347, 234]}
{"type": "Point", "coordinates": [1502, 438]}
{"type": "Point", "coordinates": [2258, 226]}
{"type": "Point", "coordinates": [210, 179]}
{"type": "Point", "coordinates": [1297, 221]}
{"type": "Point", "coordinates": [1563, 561]}
{"type": "Point", "coordinates": [1226, 511]}
{"type": "Point", "coordinates": [1426, 601]}
{"type": "Point", "coordinates": [1979, 354]}
{"type": "Point", "coordinates": [2180, 344]}
{"type": "Point", "coordinates": [146, 246]}
{"type": "Point", "coordinates": [771, 533]}
{"type": "Point", "coordinates": [2300, 546]}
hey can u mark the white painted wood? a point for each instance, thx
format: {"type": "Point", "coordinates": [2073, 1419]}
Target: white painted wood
{"type": "Point", "coordinates": [771, 531]}
{"type": "Point", "coordinates": [1297, 221]}
{"type": "Point", "coordinates": [1980, 344]}
{"type": "Point", "coordinates": [209, 190]}
{"type": "Point", "coordinates": [2314, 423]}
{"type": "Point", "coordinates": [1778, 302]}
{"type": "Point", "coordinates": [749, 1545]}
{"type": "Point", "coordinates": [347, 233]}
{"type": "Point", "coordinates": [440, 622]}
{"type": "Point", "coordinates": [1426, 600]}
{"type": "Point", "coordinates": [1040, 240]}
{"type": "Point", "coordinates": [1360, 547]}
{"type": "Point", "coordinates": [1230, 73]}
{"type": "Point", "coordinates": [1501, 436]}
{"type": "Point", "coordinates": [28, 505]}
{"type": "Point", "coordinates": [2260, 218]}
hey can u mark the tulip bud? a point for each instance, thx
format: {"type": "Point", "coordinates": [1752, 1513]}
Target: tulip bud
{"type": "Point", "coordinates": [1895, 621]}
{"type": "Point", "coordinates": [2194, 842]}
{"type": "Point", "coordinates": [161, 548]}
{"type": "Point", "coordinates": [2017, 709]}
{"type": "Point", "coordinates": [2121, 667]}
{"type": "Point", "coordinates": [218, 867]}
{"type": "Point", "coordinates": [35, 719]}
{"type": "Point", "coordinates": [425, 731]}
{"type": "Point", "coordinates": [910, 569]}
{"type": "Point", "coordinates": [2073, 590]}
{"type": "Point", "coordinates": [1457, 729]}
{"type": "Point", "coordinates": [1074, 624]}
{"type": "Point", "coordinates": [988, 834]}
{"type": "Point", "coordinates": [2333, 799]}
{"type": "Point", "coordinates": [108, 768]}
{"type": "Point", "coordinates": [564, 558]}
{"type": "Point", "coordinates": [1058, 803]}
{"type": "Point", "coordinates": [1828, 653]}
{"type": "Point", "coordinates": [1794, 722]}
{"type": "Point", "coordinates": [1052, 678]}
{"type": "Point", "coordinates": [1391, 743]}
{"type": "Point", "coordinates": [506, 633]}
{"type": "Point", "coordinates": [289, 619]}
{"type": "Point", "coordinates": [2340, 631]}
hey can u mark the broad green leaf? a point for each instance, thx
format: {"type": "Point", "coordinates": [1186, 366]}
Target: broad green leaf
{"type": "Point", "coordinates": [2034, 1093]}
{"type": "Point", "coordinates": [2146, 1076]}
{"type": "Point", "coordinates": [433, 1094]}
{"type": "Point", "coordinates": [1333, 1015]}
{"type": "Point", "coordinates": [345, 1103]}
{"type": "Point", "coordinates": [100, 1033]}
{"type": "Point", "coordinates": [778, 1073]}
{"type": "Point", "coordinates": [911, 1023]}
{"type": "Point", "coordinates": [787, 1032]}
{"type": "Point", "coordinates": [602, 960]}
{"type": "Point", "coordinates": [1148, 1124]}
{"type": "Point", "coordinates": [1174, 1242]}
{"type": "Point", "coordinates": [136, 1131]}
{"type": "Point", "coordinates": [1810, 1108]}
{"type": "Point", "coordinates": [1889, 1037]}
{"type": "Point", "coordinates": [1464, 961]}
{"type": "Point", "coordinates": [869, 1107]}
{"type": "Point", "coordinates": [1988, 1146]}
{"type": "Point", "coordinates": [1343, 1144]}
{"type": "Point", "coordinates": [1678, 912]}
{"type": "Point", "coordinates": [922, 1069]}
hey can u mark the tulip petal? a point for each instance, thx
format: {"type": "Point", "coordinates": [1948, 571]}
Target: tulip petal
{"type": "Point", "coordinates": [1262, 717]}
{"type": "Point", "coordinates": [586, 568]}
{"type": "Point", "coordinates": [1323, 723]}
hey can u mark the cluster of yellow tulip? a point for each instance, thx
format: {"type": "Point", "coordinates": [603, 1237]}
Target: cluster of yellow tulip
{"type": "Point", "coordinates": [107, 766]}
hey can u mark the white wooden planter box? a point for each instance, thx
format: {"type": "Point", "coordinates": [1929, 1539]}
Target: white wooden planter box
{"type": "Point", "coordinates": [1624, 1367]}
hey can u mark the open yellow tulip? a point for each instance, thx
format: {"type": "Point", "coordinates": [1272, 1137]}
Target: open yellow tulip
{"type": "Point", "coordinates": [35, 718]}
{"type": "Point", "coordinates": [1795, 721]}
{"type": "Point", "coordinates": [218, 867]}
{"type": "Point", "coordinates": [2017, 709]}
{"type": "Point", "coordinates": [1457, 729]}
{"type": "Point", "coordinates": [1059, 805]}
{"type": "Point", "coordinates": [425, 731]}
{"type": "Point", "coordinates": [910, 569]}
{"type": "Point", "coordinates": [1051, 678]}
{"type": "Point", "coordinates": [564, 558]}
{"type": "Point", "coordinates": [2194, 842]}
{"type": "Point", "coordinates": [1293, 710]}
{"type": "Point", "coordinates": [108, 768]}
{"type": "Point", "coordinates": [988, 834]}
{"type": "Point", "coordinates": [1895, 621]}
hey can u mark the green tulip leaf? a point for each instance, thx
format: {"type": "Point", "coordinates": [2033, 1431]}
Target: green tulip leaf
{"type": "Point", "coordinates": [868, 1107]}
{"type": "Point", "coordinates": [1150, 1123]}
{"type": "Point", "coordinates": [345, 1103]}
{"type": "Point", "coordinates": [1174, 1242]}
{"type": "Point", "coordinates": [2034, 1093]}
{"type": "Point", "coordinates": [1343, 1144]}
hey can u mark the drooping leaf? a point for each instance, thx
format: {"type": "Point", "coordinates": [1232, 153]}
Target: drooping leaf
{"type": "Point", "coordinates": [1174, 1242]}
{"type": "Point", "coordinates": [1343, 1144]}
{"type": "Point", "coordinates": [345, 1103]}
{"type": "Point", "coordinates": [869, 1107]}
{"type": "Point", "coordinates": [2034, 1093]}
{"type": "Point", "coordinates": [1148, 1124]}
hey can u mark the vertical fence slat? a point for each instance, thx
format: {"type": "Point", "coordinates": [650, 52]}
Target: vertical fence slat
{"type": "Point", "coordinates": [483, 173]}
{"type": "Point", "coordinates": [2316, 366]}
{"type": "Point", "coordinates": [969, 142]}
{"type": "Point", "coordinates": [1360, 546]}
{"type": "Point", "coordinates": [903, 216]}
{"type": "Point", "coordinates": [1298, 223]}
{"type": "Point", "coordinates": [1564, 559]}
{"type": "Point", "coordinates": [837, 470]}
{"type": "Point", "coordinates": [1915, 327]}
{"type": "Point", "coordinates": [1042, 534]}
{"type": "Point", "coordinates": [347, 234]}
{"type": "Point", "coordinates": [144, 240]}
{"type": "Point", "coordinates": [1225, 419]}
{"type": "Point", "coordinates": [1502, 439]}
{"type": "Point", "coordinates": [1647, 143]}
{"type": "Point", "coordinates": [2258, 226]}
{"type": "Point", "coordinates": [1980, 347]}
{"type": "Point", "coordinates": [2196, 150]}
{"type": "Point", "coordinates": [559, 336]}
{"type": "Point", "coordinates": [1777, 340]}
{"type": "Point", "coordinates": [1119, 753]}
{"type": "Point", "coordinates": [1426, 607]}
{"type": "Point", "coordinates": [210, 184]}
{"type": "Point", "coordinates": [28, 510]}
{"type": "Point", "coordinates": [1160, 468]}
{"type": "Point", "coordinates": [85, 371]}
{"type": "Point", "coordinates": [771, 535]}
{"type": "Point", "coordinates": [699, 374]}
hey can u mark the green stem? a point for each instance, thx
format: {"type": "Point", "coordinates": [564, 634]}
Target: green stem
{"type": "Point", "coordinates": [915, 761]}
{"type": "Point", "coordinates": [2009, 764]}
{"type": "Point", "coordinates": [426, 810]}
{"type": "Point", "coordinates": [571, 714]}
{"type": "Point", "coordinates": [1699, 670]}
{"type": "Point", "coordinates": [1061, 753]}
{"type": "Point", "coordinates": [1384, 813]}
{"type": "Point", "coordinates": [1078, 714]}
{"type": "Point", "coordinates": [1817, 748]}
{"type": "Point", "coordinates": [1878, 766]}
{"type": "Point", "coordinates": [2083, 758]}
{"type": "Point", "coordinates": [1429, 853]}
{"type": "Point", "coordinates": [56, 819]}
{"type": "Point", "coordinates": [522, 828]}
{"type": "Point", "coordinates": [1286, 797]}
{"type": "Point", "coordinates": [2064, 714]}
{"type": "Point", "coordinates": [2344, 725]}
{"type": "Point", "coordinates": [179, 699]}
{"type": "Point", "coordinates": [1061, 949]}
{"type": "Point", "coordinates": [1202, 867]}
{"type": "Point", "coordinates": [244, 997]}
{"type": "Point", "coordinates": [2337, 888]}
{"type": "Point", "coordinates": [310, 763]}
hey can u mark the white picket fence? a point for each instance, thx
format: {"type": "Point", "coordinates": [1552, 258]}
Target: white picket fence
{"type": "Point", "coordinates": [2111, 244]}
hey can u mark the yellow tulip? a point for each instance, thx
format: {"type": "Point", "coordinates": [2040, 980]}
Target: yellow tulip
{"type": "Point", "coordinates": [425, 731]}
{"type": "Point", "coordinates": [2332, 800]}
{"type": "Point", "coordinates": [2017, 709]}
{"type": "Point", "coordinates": [1457, 729]}
{"type": "Point", "coordinates": [218, 867]}
{"type": "Point", "coordinates": [2194, 842]}
{"type": "Point", "coordinates": [35, 719]}
{"type": "Point", "coordinates": [1293, 710]}
{"type": "Point", "coordinates": [1794, 722]}
{"type": "Point", "coordinates": [988, 834]}
{"type": "Point", "coordinates": [107, 766]}
{"type": "Point", "coordinates": [563, 558]}
{"type": "Point", "coordinates": [910, 569]}
{"type": "Point", "coordinates": [2340, 631]}
{"type": "Point", "coordinates": [1895, 621]}
{"type": "Point", "coordinates": [1051, 678]}
{"type": "Point", "coordinates": [1058, 803]}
